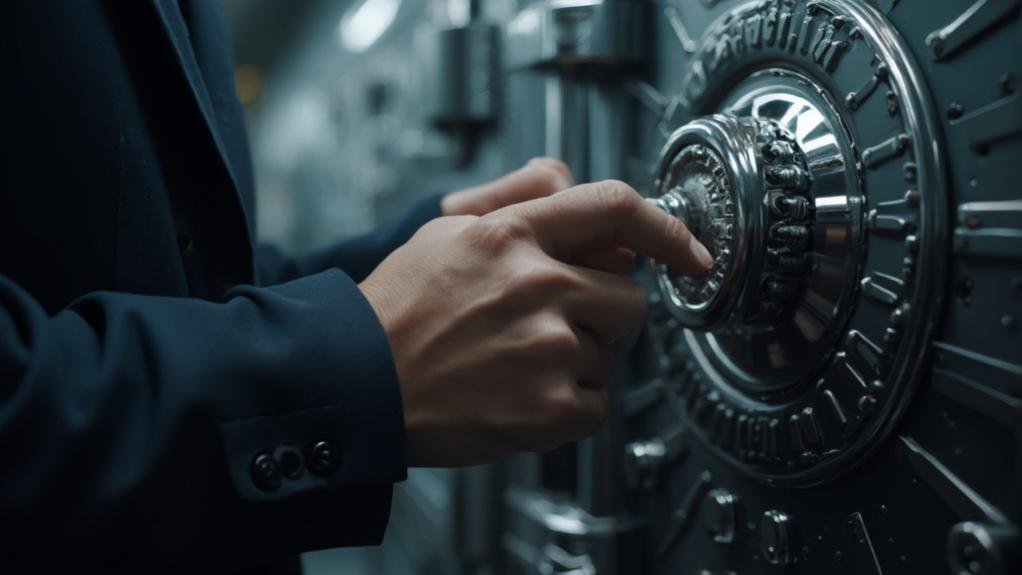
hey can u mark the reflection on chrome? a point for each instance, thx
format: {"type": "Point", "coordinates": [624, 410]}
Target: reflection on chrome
{"type": "Point", "coordinates": [823, 203]}
{"type": "Point", "coordinates": [791, 342]}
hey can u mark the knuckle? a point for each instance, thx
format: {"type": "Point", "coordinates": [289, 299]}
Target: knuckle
{"type": "Point", "coordinates": [552, 346]}
{"type": "Point", "coordinates": [442, 228]}
{"type": "Point", "coordinates": [445, 224]}
{"type": "Point", "coordinates": [552, 164]}
{"type": "Point", "coordinates": [430, 228]}
{"type": "Point", "coordinates": [602, 372]}
{"type": "Point", "coordinates": [636, 297]}
{"type": "Point", "coordinates": [494, 234]}
{"type": "Point", "coordinates": [549, 179]}
{"type": "Point", "coordinates": [540, 279]}
{"type": "Point", "coordinates": [618, 198]}
{"type": "Point", "coordinates": [560, 407]}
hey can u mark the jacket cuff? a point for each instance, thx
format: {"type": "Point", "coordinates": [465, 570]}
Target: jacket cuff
{"type": "Point", "coordinates": [350, 432]}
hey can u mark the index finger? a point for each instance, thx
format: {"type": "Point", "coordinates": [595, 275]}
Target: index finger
{"type": "Point", "coordinates": [611, 213]}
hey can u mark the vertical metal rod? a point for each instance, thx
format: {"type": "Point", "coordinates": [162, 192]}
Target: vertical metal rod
{"type": "Point", "coordinates": [599, 457]}
{"type": "Point", "coordinates": [567, 124]}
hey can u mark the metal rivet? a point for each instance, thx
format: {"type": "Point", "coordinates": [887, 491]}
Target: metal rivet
{"type": "Point", "coordinates": [955, 111]}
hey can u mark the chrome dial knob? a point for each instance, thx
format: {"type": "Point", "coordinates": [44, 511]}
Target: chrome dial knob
{"type": "Point", "coordinates": [768, 186]}
{"type": "Point", "coordinates": [741, 186]}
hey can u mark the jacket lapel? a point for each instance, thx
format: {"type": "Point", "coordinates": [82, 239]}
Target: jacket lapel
{"type": "Point", "coordinates": [177, 33]}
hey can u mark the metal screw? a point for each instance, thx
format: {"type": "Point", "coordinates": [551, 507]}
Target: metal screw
{"type": "Point", "coordinates": [1008, 322]}
{"type": "Point", "coordinates": [912, 198]}
{"type": "Point", "coordinates": [955, 111]}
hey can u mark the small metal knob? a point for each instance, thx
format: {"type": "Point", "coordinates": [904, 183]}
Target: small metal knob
{"type": "Point", "coordinates": [642, 463]}
{"type": "Point", "coordinates": [776, 537]}
{"type": "Point", "coordinates": [975, 548]}
{"type": "Point", "coordinates": [742, 187]}
{"type": "Point", "coordinates": [721, 515]}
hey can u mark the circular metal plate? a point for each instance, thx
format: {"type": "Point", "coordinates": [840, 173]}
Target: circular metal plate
{"type": "Point", "coordinates": [803, 400]}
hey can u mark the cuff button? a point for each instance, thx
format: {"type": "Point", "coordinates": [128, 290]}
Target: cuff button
{"type": "Point", "coordinates": [323, 458]}
{"type": "Point", "coordinates": [265, 472]}
{"type": "Point", "coordinates": [290, 459]}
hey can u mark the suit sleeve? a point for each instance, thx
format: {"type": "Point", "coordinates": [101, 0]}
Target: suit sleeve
{"type": "Point", "coordinates": [131, 426]}
{"type": "Point", "coordinates": [357, 256]}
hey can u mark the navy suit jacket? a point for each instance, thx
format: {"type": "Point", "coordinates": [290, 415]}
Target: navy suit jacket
{"type": "Point", "coordinates": [149, 351]}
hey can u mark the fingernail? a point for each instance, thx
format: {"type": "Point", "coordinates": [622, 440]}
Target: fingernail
{"type": "Point", "coordinates": [702, 253]}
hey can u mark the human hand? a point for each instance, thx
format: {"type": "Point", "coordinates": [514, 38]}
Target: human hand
{"type": "Point", "coordinates": [540, 177]}
{"type": "Point", "coordinates": [502, 326]}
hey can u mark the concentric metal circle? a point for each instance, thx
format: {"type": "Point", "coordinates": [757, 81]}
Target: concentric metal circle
{"type": "Point", "coordinates": [803, 399]}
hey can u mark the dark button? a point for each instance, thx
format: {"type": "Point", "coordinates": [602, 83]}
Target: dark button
{"type": "Point", "coordinates": [291, 463]}
{"type": "Point", "coordinates": [323, 458]}
{"type": "Point", "coordinates": [265, 472]}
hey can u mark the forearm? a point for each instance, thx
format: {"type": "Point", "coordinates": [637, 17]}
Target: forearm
{"type": "Point", "coordinates": [129, 424]}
